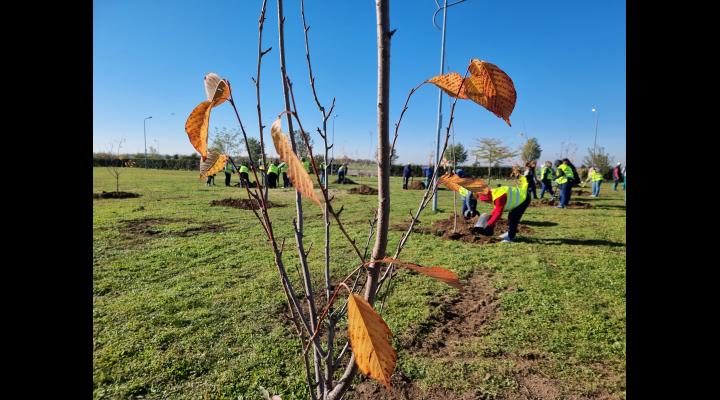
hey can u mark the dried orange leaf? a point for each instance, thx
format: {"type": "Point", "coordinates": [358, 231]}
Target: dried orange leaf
{"type": "Point", "coordinates": [454, 182]}
{"type": "Point", "coordinates": [296, 171]}
{"type": "Point", "coordinates": [196, 127]}
{"type": "Point", "coordinates": [492, 88]}
{"type": "Point", "coordinates": [369, 340]}
{"type": "Point", "coordinates": [216, 89]}
{"type": "Point", "coordinates": [213, 164]}
{"type": "Point", "coordinates": [450, 84]}
{"type": "Point", "coordinates": [438, 273]}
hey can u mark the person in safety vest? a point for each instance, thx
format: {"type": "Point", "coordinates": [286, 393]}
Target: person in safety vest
{"type": "Point", "coordinates": [273, 174]}
{"type": "Point", "coordinates": [514, 199]}
{"type": "Point", "coordinates": [228, 173]}
{"type": "Point", "coordinates": [283, 168]}
{"type": "Point", "coordinates": [546, 174]}
{"type": "Point", "coordinates": [244, 175]}
{"type": "Point", "coordinates": [341, 173]}
{"type": "Point", "coordinates": [596, 177]}
{"type": "Point", "coordinates": [565, 179]}
{"type": "Point", "coordinates": [306, 164]}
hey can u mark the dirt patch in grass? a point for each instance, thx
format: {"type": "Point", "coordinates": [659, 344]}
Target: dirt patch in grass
{"type": "Point", "coordinates": [444, 229]}
{"type": "Point", "coordinates": [453, 320]}
{"type": "Point", "coordinates": [553, 203]}
{"type": "Point", "coordinates": [244, 204]}
{"type": "Point", "coordinates": [148, 227]}
{"type": "Point", "coordinates": [416, 185]}
{"type": "Point", "coordinates": [348, 181]}
{"type": "Point", "coordinates": [363, 189]}
{"type": "Point", "coordinates": [115, 195]}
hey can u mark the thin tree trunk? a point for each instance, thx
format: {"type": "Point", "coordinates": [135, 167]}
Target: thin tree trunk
{"type": "Point", "coordinates": [382, 12]}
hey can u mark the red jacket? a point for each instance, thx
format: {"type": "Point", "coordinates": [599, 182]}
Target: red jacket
{"type": "Point", "coordinates": [498, 210]}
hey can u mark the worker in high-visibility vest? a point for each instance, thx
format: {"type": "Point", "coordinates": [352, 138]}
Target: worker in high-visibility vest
{"type": "Point", "coordinates": [283, 168]}
{"type": "Point", "coordinates": [546, 174]}
{"type": "Point", "coordinates": [273, 174]}
{"type": "Point", "coordinates": [228, 173]}
{"type": "Point", "coordinates": [565, 179]}
{"type": "Point", "coordinates": [306, 164]}
{"type": "Point", "coordinates": [513, 199]}
{"type": "Point", "coordinates": [244, 175]}
{"type": "Point", "coordinates": [596, 177]}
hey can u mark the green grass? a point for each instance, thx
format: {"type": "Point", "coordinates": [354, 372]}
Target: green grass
{"type": "Point", "coordinates": [201, 316]}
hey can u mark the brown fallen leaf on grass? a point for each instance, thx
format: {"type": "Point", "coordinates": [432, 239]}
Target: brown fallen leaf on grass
{"type": "Point", "coordinates": [296, 171]}
{"type": "Point", "coordinates": [369, 339]}
{"type": "Point", "coordinates": [213, 164]}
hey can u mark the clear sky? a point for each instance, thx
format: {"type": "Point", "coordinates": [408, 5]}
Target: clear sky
{"type": "Point", "coordinates": [565, 57]}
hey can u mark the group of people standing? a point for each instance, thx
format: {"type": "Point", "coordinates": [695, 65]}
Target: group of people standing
{"type": "Point", "coordinates": [272, 175]}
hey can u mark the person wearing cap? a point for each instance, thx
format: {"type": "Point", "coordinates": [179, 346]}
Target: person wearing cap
{"type": "Point", "coordinates": [407, 172]}
{"type": "Point", "coordinates": [514, 199]}
{"type": "Point", "coordinates": [546, 173]}
{"type": "Point", "coordinates": [617, 176]}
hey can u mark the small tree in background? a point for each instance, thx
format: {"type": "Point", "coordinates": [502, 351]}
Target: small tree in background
{"type": "Point", "coordinates": [598, 158]}
{"type": "Point", "coordinates": [227, 141]}
{"type": "Point", "coordinates": [302, 149]}
{"type": "Point", "coordinates": [393, 157]}
{"type": "Point", "coordinates": [115, 162]}
{"type": "Point", "coordinates": [254, 146]}
{"type": "Point", "coordinates": [492, 152]}
{"type": "Point", "coordinates": [531, 150]}
{"type": "Point", "coordinates": [458, 153]}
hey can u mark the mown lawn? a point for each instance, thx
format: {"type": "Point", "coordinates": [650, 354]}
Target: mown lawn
{"type": "Point", "coordinates": [187, 306]}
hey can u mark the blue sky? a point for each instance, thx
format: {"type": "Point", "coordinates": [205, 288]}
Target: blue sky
{"type": "Point", "coordinates": [565, 57]}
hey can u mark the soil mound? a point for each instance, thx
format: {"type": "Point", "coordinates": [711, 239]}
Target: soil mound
{"type": "Point", "coordinates": [363, 189]}
{"type": "Point", "coordinates": [444, 229]}
{"type": "Point", "coordinates": [115, 195]}
{"type": "Point", "coordinates": [416, 185]}
{"type": "Point", "coordinates": [348, 181]}
{"type": "Point", "coordinates": [244, 204]}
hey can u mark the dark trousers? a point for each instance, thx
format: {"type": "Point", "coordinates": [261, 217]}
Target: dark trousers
{"type": "Point", "coordinates": [546, 187]}
{"type": "Point", "coordinates": [615, 183]}
{"type": "Point", "coordinates": [341, 177]}
{"type": "Point", "coordinates": [211, 180]}
{"type": "Point", "coordinates": [532, 189]}
{"type": "Point", "coordinates": [406, 180]}
{"type": "Point", "coordinates": [286, 180]}
{"type": "Point", "coordinates": [244, 180]}
{"type": "Point", "coordinates": [272, 180]}
{"type": "Point", "coordinates": [565, 190]}
{"type": "Point", "coordinates": [515, 215]}
{"type": "Point", "coordinates": [227, 178]}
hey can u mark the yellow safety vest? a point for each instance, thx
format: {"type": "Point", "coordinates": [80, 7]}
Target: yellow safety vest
{"type": "Point", "coordinates": [566, 174]}
{"type": "Point", "coordinates": [463, 192]}
{"type": "Point", "coordinates": [515, 195]}
{"type": "Point", "coordinates": [596, 176]}
{"type": "Point", "coordinates": [228, 168]}
{"type": "Point", "coordinates": [273, 169]}
{"type": "Point", "coordinates": [283, 167]}
{"type": "Point", "coordinates": [543, 171]}
{"type": "Point", "coordinates": [306, 164]}
{"type": "Point", "coordinates": [244, 169]}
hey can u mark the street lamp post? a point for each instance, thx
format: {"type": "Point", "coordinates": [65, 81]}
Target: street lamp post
{"type": "Point", "coordinates": [145, 139]}
{"type": "Point", "coordinates": [332, 157]}
{"type": "Point", "coordinates": [597, 118]}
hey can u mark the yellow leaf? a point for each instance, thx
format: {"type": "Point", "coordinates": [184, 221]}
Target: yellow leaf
{"type": "Point", "coordinates": [454, 182]}
{"type": "Point", "coordinates": [369, 340]}
{"type": "Point", "coordinates": [213, 164]}
{"type": "Point", "coordinates": [196, 127]}
{"type": "Point", "coordinates": [492, 88]}
{"type": "Point", "coordinates": [296, 171]}
{"type": "Point", "coordinates": [216, 89]}
{"type": "Point", "coordinates": [438, 273]}
{"type": "Point", "coordinates": [450, 84]}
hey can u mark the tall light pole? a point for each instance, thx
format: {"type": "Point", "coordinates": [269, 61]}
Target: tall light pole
{"type": "Point", "coordinates": [597, 118]}
{"type": "Point", "coordinates": [332, 157]}
{"type": "Point", "coordinates": [145, 138]}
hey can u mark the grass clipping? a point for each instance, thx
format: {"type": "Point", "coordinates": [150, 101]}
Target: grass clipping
{"type": "Point", "coordinates": [296, 172]}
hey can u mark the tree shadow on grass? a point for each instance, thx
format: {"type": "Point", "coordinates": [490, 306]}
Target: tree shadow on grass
{"type": "Point", "coordinates": [611, 207]}
{"type": "Point", "coordinates": [572, 242]}
{"type": "Point", "coordinates": [539, 223]}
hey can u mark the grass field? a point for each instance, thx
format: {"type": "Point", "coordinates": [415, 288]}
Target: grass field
{"type": "Point", "coordinates": [187, 305]}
